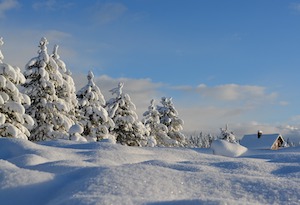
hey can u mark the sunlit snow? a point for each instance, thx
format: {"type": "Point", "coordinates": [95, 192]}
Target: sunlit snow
{"type": "Point", "coordinates": [68, 172]}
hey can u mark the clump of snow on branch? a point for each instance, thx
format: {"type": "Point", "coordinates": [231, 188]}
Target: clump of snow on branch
{"type": "Point", "coordinates": [75, 132]}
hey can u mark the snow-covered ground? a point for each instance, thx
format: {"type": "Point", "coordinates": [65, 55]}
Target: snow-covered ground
{"type": "Point", "coordinates": [65, 172]}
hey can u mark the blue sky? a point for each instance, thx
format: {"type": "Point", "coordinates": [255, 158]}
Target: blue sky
{"type": "Point", "coordinates": [230, 61]}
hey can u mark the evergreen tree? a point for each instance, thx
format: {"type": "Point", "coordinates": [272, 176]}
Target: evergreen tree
{"type": "Point", "coordinates": [227, 135]}
{"type": "Point", "coordinates": [169, 117]}
{"type": "Point", "coordinates": [13, 120]}
{"type": "Point", "coordinates": [47, 109]}
{"type": "Point", "coordinates": [96, 123]}
{"type": "Point", "coordinates": [128, 129]}
{"type": "Point", "coordinates": [67, 91]}
{"type": "Point", "coordinates": [158, 131]}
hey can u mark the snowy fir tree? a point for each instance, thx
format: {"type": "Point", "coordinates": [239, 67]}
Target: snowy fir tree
{"type": "Point", "coordinates": [13, 120]}
{"type": "Point", "coordinates": [47, 109]}
{"type": "Point", "coordinates": [96, 122]}
{"type": "Point", "coordinates": [128, 129]}
{"type": "Point", "coordinates": [67, 91]}
{"type": "Point", "coordinates": [158, 131]}
{"type": "Point", "coordinates": [169, 117]}
{"type": "Point", "coordinates": [227, 135]}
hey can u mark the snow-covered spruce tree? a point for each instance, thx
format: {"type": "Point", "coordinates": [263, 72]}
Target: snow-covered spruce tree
{"type": "Point", "coordinates": [13, 120]}
{"type": "Point", "coordinates": [227, 135]}
{"type": "Point", "coordinates": [67, 91]}
{"type": "Point", "coordinates": [169, 117]}
{"type": "Point", "coordinates": [96, 123]}
{"type": "Point", "coordinates": [47, 109]}
{"type": "Point", "coordinates": [128, 129]}
{"type": "Point", "coordinates": [157, 130]}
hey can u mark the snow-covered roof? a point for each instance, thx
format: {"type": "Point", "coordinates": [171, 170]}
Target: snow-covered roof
{"type": "Point", "coordinates": [264, 142]}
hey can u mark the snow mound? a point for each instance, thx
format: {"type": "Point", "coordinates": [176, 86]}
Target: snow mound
{"type": "Point", "coordinates": [68, 172]}
{"type": "Point", "coordinates": [225, 148]}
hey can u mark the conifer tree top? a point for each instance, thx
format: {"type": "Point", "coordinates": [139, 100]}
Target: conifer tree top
{"type": "Point", "coordinates": [90, 78]}
{"type": "Point", "coordinates": [43, 54]}
{"type": "Point", "coordinates": [1, 43]}
{"type": "Point", "coordinates": [43, 42]}
{"type": "Point", "coordinates": [61, 64]}
{"type": "Point", "coordinates": [55, 54]}
{"type": "Point", "coordinates": [118, 91]}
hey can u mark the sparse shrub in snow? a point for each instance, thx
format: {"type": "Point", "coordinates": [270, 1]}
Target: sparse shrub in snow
{"type": "Point", "coordinates": [227, 135]}
{"type": "Point", "coordinates": [48, 110]}
{"type": "Point", "coordinates": [96, 123]}
{"type": "Point", "coordinates": [158, 131]}
{"type": "Point", "coordinates": [128, 129]}
{"type": "Point", "coordinates": [13, 120]}
{"type": "Point", "coordinates": [169, 118]}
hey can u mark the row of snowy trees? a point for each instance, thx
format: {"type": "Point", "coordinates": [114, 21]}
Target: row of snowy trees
{"type": "Point", "coordinates": [204, 140]}
{"type": "Point", "coordinates": [48, 107]}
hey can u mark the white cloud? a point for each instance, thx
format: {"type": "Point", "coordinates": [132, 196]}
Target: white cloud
{"type": "Point", "coordinates": [51, 5]}
{"type": "Point", "coordinates": [208, 118]}
{"type": "Point", "coordinates": [7, 5]}
{"type": "Point", "coordinates": [241, 106]}
{"type": "Point", "coordinates": [108, 12]}
{"type": "Point", "coordinates": [250, 94]}
{"type": "Point", "coordinates": [234, 92]}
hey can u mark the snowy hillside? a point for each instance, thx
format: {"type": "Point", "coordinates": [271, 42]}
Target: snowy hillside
{"type": "Point", "coordinates": [66, 172]}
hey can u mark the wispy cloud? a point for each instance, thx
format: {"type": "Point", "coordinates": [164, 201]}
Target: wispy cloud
{"type": "Point", "coordinates": [249, 94]}
{"type": "Point", "coordinates": [52, 5]}
{"type": "Point", "coordinates": [108, 12]}
{"type": "Point", "coordinates": [295, 6]}
{"type": "Point", "coordinates": [208, 118]}
{"type": "Point", "coordinates": [7, 5]}
{"type": "Point", "coordinates": [234, 92]}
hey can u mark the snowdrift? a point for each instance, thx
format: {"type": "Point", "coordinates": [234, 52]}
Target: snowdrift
{"type": "Point", "coordinates": [225, 148]}
{"type": "Point", "coordinates": [67, 173]}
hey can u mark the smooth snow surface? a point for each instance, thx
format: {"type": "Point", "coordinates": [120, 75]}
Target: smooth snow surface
{"type": "Point", "coordinates": [73, 173]}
